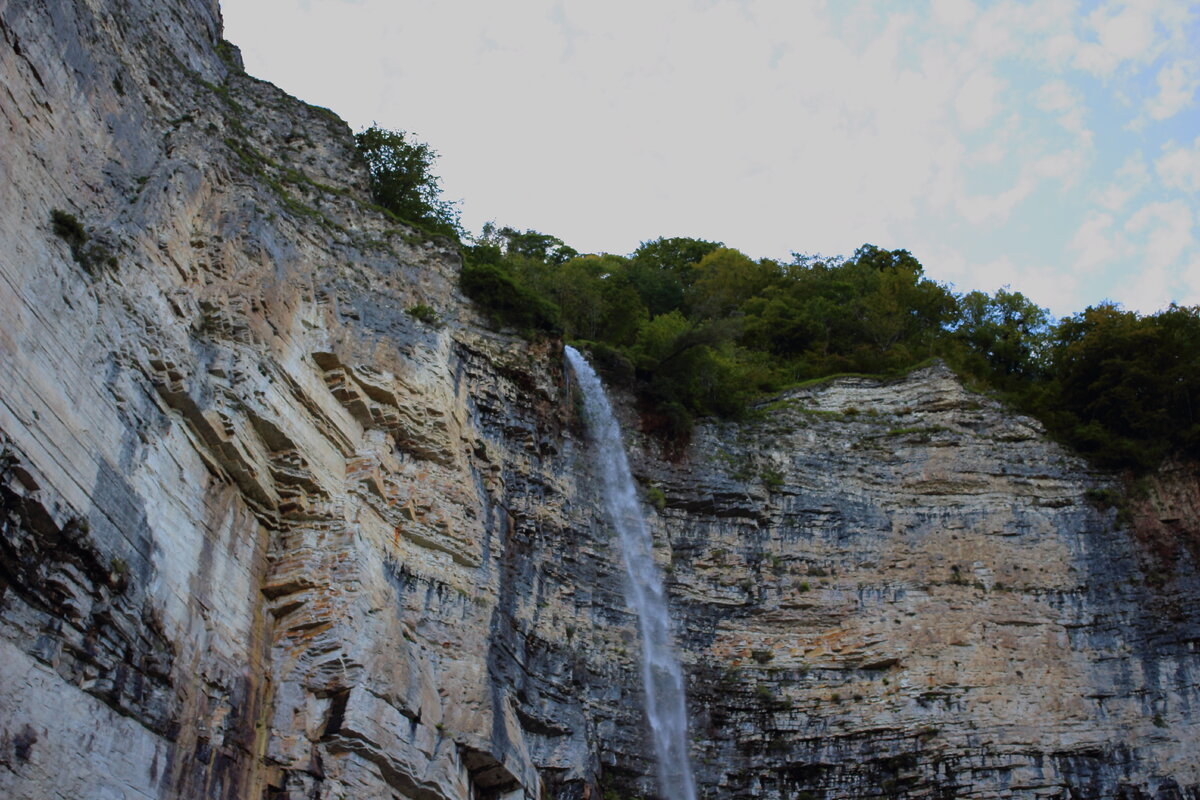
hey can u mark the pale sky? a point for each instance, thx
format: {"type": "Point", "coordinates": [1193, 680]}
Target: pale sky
{"type": "Point", "coordinates": [1053, 146]}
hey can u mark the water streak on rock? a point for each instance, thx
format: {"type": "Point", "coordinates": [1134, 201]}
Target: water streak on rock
{"type": "Point", "coordinates": [666, 708]}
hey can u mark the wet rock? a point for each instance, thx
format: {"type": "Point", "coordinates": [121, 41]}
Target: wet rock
{"type": "Point", "coordinates": [264, 534]}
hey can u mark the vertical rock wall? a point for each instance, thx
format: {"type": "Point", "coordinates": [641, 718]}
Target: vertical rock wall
{"type": "Point", "coordinates": [901, 589]}
{"type": "Point", "coordinates": [265, 534]}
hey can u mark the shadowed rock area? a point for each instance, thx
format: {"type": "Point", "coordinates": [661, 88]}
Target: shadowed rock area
{"type": "Point", "coordinates": [264, 534]}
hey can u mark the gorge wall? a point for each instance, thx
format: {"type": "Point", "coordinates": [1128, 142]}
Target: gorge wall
{"type": "Point", "coordinates": [265, 534]}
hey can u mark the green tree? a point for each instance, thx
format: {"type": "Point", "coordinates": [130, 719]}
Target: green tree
{"type": "Point", "coordinates": [506, 300]}
{"type": "Point", "coordinates": [660, 290]}
{"type": "Point", "coordinates": [660, 270]}
{"type": "Point", "coordinates": [693, 367]}
{"type": "Point", "coordinates": [402, 179]}
{"type": "Point", "coordinates": [1007, 333]}
{"type": "Point", "coordinates": [674, 254]}
{"type": "Point", "coordinates": [901, 312]}
{"type": "Point", "coordinates": [577, 288]}
{"type": "Point", "coordinates": [875, 312]}
{"type": "Point", "coordinates": [1126, 386]}
{"type": "Point", "coordinates": [534, 245]}
{"type": "Point", "coordinates": [725, 279]}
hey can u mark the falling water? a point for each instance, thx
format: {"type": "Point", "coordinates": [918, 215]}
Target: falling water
{"type": "Point", "coordinates": [663, 679]}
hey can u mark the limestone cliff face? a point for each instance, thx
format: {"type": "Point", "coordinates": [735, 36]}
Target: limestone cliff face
{"type": "Point", "coordinates": [264, 534]}
{"type": "Point", "coordinates": [902, 589]}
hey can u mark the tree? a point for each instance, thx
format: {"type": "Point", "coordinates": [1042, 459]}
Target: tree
{"type": "Point", "coordinates": [1127, 385]}
{"type": "Point", "coordinates": [661, 269]}
{"type": "Point", "coordinates": [1008, 331]}
{"type": "Point", "coordinates": [693, 367]}
{"type": "Point", "coordinates": [402, 179]}
{"type": "Point", "coordinates": [506, 300]}
{"type": "Point", "coordinates": [597, 301]}
{"type": "Point", "coordinates": [725, 279]}
{"type": "Point", "coordinates": [674, 254]}
{"type": "Point", "coordinates": [534, 245]}
{"type": "Point", "coordinates": [883, 260]}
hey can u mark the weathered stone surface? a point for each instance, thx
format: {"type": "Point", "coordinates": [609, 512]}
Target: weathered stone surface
{"type": "Point", "coordinates": [264, 534]}
{"type": "Point", "coordinates": [902, 589]}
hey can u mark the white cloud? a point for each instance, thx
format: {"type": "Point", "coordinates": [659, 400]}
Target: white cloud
{"type": "Point", "coordinates": [978, 101]}
{"type": "Point", "coordinates": [1177, 84]}
{"type": "Point", "coordinates": [1014, 29]}
{"type": "Point", "coordinates": [954, 14]}
{"type": "Point", "coordinates": [1150, 255]}
{"type": "Point", "coordinates": [995, 208]}
{"type": "Point", "coordinates": [1053, 289]}
{"type": "Point", "coordinates": [1147, 291]}
{"type": "Point", "coordinates": [1056, 97]}
{"type": "Point", "coordinates": [1127, 34]}
{"type": "Point", "coordinates": [1179, 167]}
{"type": "Point", "coordinates": [1189, 283]}
{"type": "Point", "coordinates": [1059, 50]}
{"type": "Point", "coordinates": [1124, 32]}
{"type": "Point", "coordinates": [1059, 290]}
{"type": "Point", "coordinates": [1131, 179]}
{"type": "Point", "coordinates": [1062, 167]}
{"type": "Point", "coordinates": [779, 124]}
{"type": "Point", "coordinates": [1097, 242]}
{"type": "Point", "coordinates": [1167, 231]}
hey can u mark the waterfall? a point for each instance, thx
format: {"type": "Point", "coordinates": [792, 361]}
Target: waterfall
{"type": "Point", "coordinates": [666, 708]}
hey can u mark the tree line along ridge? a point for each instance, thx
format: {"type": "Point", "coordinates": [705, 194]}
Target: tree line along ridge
{"type": "Point", "coordinates": [694, 328]}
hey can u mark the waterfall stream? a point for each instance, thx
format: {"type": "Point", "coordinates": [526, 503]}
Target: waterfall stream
{"type": "Point", "coordinates": [666, 708]}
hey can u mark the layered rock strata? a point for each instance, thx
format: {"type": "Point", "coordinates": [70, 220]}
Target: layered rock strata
{"type": "Point", "coordinates": [266, 534]}
{"type": "Point", "coordinates": [902, 589]}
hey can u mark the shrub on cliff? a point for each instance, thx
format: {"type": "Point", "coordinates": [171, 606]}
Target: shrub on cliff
{"type": "Point", "coordinates": [89, 254]}
{"type": "Point", "coordinates": [505, 300]}
{"type": "Point", "coordinates": [402, 180]}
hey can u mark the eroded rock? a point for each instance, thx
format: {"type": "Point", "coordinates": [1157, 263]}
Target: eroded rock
{"type": "Point", "coordinates": [264, 534]}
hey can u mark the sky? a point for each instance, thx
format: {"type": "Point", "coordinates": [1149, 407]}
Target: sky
{"type": "Point", "coordinates": [1050, 146]}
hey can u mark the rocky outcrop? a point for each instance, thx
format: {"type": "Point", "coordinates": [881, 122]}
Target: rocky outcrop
{"type": "Point", "coordinates": [264, 533]}
{"type": "Point", "coordinates": [257, 517]}
{"type": "Point", "coordinates": [903, 589]}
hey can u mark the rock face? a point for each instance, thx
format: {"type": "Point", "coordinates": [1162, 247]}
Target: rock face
{"type": "Point", "coordinates": [903, 590]}
{"type": "Point", "coordinates": [265, 534]}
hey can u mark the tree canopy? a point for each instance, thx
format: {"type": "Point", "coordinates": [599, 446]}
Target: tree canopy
{"type": "Point", "coordinates": [697, 328]}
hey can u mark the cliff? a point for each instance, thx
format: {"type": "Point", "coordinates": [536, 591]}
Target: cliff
{"type": "Point", "coordinates": [265, 534]}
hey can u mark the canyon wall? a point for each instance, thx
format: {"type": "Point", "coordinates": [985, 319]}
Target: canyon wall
{"type": "Point", "coordinates": [902, 589]}
{"type": "Point", "coordinates": [265, 533]}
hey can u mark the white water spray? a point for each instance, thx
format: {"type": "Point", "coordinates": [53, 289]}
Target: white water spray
{"type": "Point", "coordinates": [666, 708]}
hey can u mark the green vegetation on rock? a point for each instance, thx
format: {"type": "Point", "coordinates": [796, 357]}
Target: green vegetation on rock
{"type": "Point", "coordinates": [425, 314]}
{"type": "Point", "coordinates": [695, 328]}
{"type": "Point", "coordinates": [402, 180]}
{"type": "Point", "coordinates": [89, 254]}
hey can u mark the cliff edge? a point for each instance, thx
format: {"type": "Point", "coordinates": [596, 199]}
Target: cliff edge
{"type": "Point", "coordinates": [264, 533]}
